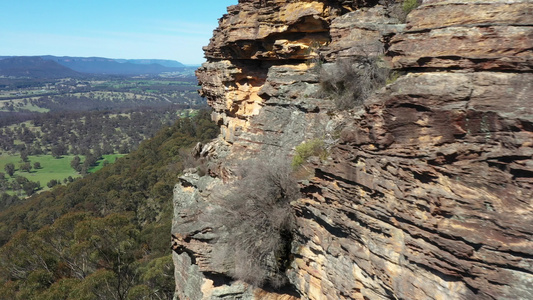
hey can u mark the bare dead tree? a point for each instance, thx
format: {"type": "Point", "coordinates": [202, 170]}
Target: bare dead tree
{"type": "Point", "coordinates": [258, 218]}
{"type": "Point", "coordinates": [350, 81]}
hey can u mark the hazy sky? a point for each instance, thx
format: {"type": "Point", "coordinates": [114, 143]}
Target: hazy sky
{"type": "Point", "coordinates": [166, 29]}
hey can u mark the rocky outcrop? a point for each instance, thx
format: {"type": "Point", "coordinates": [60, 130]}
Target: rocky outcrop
{"type": "Point", "coordinates": [468, 35]}
{"type": "Point", "coordinates": [427, 191]}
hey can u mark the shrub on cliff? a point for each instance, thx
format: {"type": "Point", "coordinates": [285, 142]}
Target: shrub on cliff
{"type": "Point", "coordinates": [314, 147]}
{"type": "Point", "coordinates": [350, 81]}
{"type": "Point", "coordinates": [258, 218]}
{"type": "Point", "coordinates": [409, 5]}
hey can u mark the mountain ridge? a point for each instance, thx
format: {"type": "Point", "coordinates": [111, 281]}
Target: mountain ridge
{"type": "Point", "coordinates": [34, 66]}
{"type": "Point", "coordinates": [89, 65]}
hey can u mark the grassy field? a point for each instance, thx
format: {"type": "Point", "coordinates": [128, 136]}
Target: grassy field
{"type": "Point", "coordinates": [51, 168]}
{"type": "Point", "coordinates": [111, 158]}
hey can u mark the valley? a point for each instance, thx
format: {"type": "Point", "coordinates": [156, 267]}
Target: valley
{"type": "Point", "coordinates": [98, 92]}
{"type": "Point", "coordinates": [353, 150]}
{"type": "Point", "coordinates": [101, 236]}
{"type": "Point", "coordinates": [95, 120]}
{"type": "Point", "coordinates": [87, 166]}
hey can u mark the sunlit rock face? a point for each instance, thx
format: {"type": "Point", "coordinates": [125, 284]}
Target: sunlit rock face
{"type": "Point", "coordinates": [427, 189]}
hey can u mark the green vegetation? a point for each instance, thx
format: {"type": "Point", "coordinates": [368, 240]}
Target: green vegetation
{"type": "Point", "coordinates": [51, 168]}
{"type": "Point", "coordinates": [314, 147]}
{"type": "Point", "coordinates": [393, 76]}
{"type": "Point", "coordinates": [54, 139]}
{"type": "Point", "coordinates": [409, 5]}
{"type": "Point", "coordinates": [59, 170]}
{"type": "Point", "coordinates": [106, 159]}
{"type": "Point", "coordinates": [104, 236]}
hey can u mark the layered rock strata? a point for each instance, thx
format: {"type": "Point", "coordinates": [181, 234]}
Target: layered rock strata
{"type": "Point", "coordinates": [427, 191]}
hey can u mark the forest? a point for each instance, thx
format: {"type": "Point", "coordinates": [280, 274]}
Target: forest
{"type": "Point", "coordinates": [87, 168]}
{"type": "Point", "coordinates": [83, 133]}
{"type": "Point", "coordinates": [100, 237]}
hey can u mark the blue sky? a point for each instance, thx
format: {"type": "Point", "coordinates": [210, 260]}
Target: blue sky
{"type": "Point", "coordinates": [165, 29]}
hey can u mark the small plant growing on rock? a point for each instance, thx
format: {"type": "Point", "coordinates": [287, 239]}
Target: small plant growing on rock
{"type": "Point", "coordinates": [259, 220]}
{"type": "Point", "coordinates": [393, 76]}
{"type": "Point", "coordinates": [314, 147]}
{"type": "Point", "coordinates": [398, 9]}
{"type": "Point", "coordinates": [409, 5]}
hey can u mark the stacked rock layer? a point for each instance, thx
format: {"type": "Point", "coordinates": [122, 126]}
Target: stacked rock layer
{"type": "Point", "coordinates": [427, 190]}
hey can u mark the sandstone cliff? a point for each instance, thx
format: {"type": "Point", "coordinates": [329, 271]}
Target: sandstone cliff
{"type": "Point", "coordinates": [427, 188]}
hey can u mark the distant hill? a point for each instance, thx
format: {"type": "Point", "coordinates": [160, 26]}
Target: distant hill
{"type": "Point", "coordinates": [102, 65]}
{"type": "Point", "coordinates": [163, 62]}
{"type": "Point", "coordinates": [94, 65]}
{"type": "Point", "coordinates": [34, 67]}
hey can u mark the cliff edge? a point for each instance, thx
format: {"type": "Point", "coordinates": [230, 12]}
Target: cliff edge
{"type": "Point", "coordinates": [420, 181]}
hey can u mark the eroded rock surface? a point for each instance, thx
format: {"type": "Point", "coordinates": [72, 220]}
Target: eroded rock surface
{"type": "Point", "coordinates": [427, 191]}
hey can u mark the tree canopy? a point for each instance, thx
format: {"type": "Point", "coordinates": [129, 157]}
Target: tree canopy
{"type": "Point", "coordinates": [104, 236]}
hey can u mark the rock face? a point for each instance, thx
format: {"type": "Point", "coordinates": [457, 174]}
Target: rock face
{"type": "Point", "coordinates": [427, 191]}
